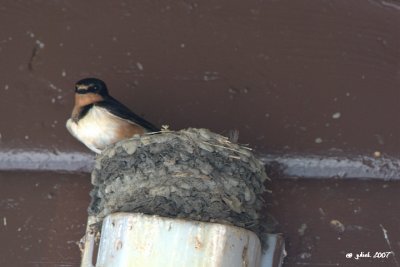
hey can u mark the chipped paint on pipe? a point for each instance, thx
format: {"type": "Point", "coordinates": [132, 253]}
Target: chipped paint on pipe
{"type": "Point", "coordinates": [132, 239]}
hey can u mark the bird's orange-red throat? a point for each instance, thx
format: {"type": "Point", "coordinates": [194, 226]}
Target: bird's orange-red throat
{"type": "Point", "coordinates": [82, 100]}
{"type": "Point", "coordinates": [98, 120]}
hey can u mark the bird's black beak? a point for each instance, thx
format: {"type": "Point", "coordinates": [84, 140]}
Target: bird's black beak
{"type": "Point", "coordinates": [81, 89]}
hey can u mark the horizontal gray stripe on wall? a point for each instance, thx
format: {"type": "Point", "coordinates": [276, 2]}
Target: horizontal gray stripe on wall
{"type": "Point", "coordinates": [277, 165]}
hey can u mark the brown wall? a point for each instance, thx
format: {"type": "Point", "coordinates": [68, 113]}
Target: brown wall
{"type": "Point", "coordinates": [275, 70]}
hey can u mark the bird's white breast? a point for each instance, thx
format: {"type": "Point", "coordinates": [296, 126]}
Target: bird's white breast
{"type": "Point", "coordinates": [96, 129]}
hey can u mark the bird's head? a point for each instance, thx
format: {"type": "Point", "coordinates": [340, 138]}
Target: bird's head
{"type": "Point", "coordinates": [91, 86]}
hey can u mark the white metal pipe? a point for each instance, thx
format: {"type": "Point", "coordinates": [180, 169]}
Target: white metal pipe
{"type": "Point", "coordinates": [132, 239]}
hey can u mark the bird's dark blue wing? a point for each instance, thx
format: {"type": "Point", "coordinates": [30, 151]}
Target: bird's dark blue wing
{"type": "Point", "coordinates": [119, 110]}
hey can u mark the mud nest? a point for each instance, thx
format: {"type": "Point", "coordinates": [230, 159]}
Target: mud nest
{"type": "Point", "coordinates": [193, 174]}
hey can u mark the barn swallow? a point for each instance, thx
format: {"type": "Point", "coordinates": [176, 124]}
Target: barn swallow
{"type": "Point", "coordinates": [99, 120]}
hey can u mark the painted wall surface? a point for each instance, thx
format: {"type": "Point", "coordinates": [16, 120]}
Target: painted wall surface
{"type": "Point", "coordinates": [295, 76]}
